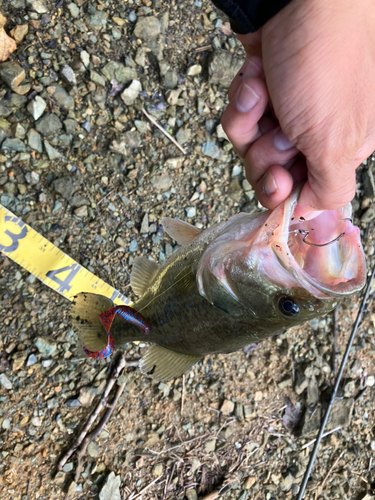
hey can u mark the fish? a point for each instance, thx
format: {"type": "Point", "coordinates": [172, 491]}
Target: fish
{"type": "Point", "coordinates": [236, 283]}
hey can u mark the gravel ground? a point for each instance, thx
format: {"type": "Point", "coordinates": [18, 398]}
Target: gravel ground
{"type": "Point", "coordinates": [82, 164]}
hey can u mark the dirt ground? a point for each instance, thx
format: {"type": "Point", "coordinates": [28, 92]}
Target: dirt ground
{"type": "Point", "coordinates": [95, 178]}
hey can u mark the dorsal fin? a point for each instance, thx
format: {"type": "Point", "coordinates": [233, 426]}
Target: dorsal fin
{"type": "Point", "coordinates": [181, 231]}
{"type": "Point", "coordinates": [143, 272]}
{"type": "Point", "coordinates": [161, 363]}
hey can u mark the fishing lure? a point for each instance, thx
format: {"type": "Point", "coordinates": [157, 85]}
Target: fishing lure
{"type": "Point", "coordinates": [129, 315]}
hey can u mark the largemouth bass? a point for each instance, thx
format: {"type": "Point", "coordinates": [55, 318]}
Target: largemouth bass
{"type": "Point", "coordinates": [238, 282]}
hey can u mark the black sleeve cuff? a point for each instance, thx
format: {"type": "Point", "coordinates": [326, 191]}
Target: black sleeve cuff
{"type": "Point", "coordinates": [247, 16]}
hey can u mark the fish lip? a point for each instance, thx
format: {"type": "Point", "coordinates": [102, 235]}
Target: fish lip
{"type": "Point", "coordinates": [287, 260]}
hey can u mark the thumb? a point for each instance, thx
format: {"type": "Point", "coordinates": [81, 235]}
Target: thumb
{"type": "Point", "coordinates": [327, 189]}
{"type": "Point", "coordinates": [252, 43]}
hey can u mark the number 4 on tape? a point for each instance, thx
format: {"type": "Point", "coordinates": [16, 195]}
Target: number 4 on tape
{"type": "Point", "coordinates": [40, 257]}
{"type": "Point", "coordinates": [64, 284]}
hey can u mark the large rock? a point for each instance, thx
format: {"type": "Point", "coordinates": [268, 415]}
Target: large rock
{"type": "Point", "coordinates": [132, 139]}
{"type": "Point", "coordinates": [61, 97]}
{"type": "Point", "coordinates": [65, 187]}
{"type": "Point", "coordinates": [131, 93]}
{"type": "Point", "coordinates": [147, 28]}
{"type": "Point", "coordinates": [15, 77]}
{"type": "Point", "coordinates": [340, 416]}
{"type": "Point", "coordinates": [7, 106]}
{"type": "Point", "coordinates": [38, 6]}
{"type": "Point", "coordinates": [35, 140]}
{"type": "Point", "coordinates": [119, 72]}
{"type": "Point", "coordinates": [46, 346]}
{"type": "Point", "coordinates": [12, 73]}
{"type": "Point", "coordinates": [36, 107]}
{"type": "Point", "coordinates": [14, 145]}
{"type": "Point", "coordinates": [223, 67]}
{"type": "Point", "coordinates": [111, 488]}
{"type": "Point", "coordinates": [49, 125]}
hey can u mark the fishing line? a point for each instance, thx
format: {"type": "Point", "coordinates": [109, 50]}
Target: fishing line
{"type": "Point", "coordinates": [338, 380]}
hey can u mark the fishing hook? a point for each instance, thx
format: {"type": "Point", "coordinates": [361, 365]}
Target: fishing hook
{"type": "Point", "coordinates": [306, 233]}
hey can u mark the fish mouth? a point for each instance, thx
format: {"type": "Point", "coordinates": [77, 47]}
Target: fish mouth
{"type": "Point", "coordinates": [323, 254]}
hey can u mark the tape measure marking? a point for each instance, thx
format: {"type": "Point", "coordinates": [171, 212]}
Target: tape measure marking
{"type": "Point", "coordinates": [43, 259]}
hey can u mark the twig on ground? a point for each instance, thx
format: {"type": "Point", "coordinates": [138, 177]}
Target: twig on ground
{"type": "Point", "coordinates": [86, 438]}
{"type": "Point", "coordinates": [320, 489]}
{"type": "Point", "coordinates": [169, 480]}
{"type": "Point", "coordinates": [359, 475]}
{"type": "Point", "coordinates": [106, 196]}
{"type": "Point", "coordinates": [204, 48]}
{"type": "Point", "coordinates": [178, 446]}
{"type": "Point", "coordinates": [136, 495]}
{"type": "Point", "coordinates": [40, 40]}
{"type": "Point", "coordinates": [324, 435]}
{"type": "Point", "coordinates": [167, 134]}
{"type": "Point", "coordinates": [183, 394]}
{"type": "Point", "coordinates": [95, 433]}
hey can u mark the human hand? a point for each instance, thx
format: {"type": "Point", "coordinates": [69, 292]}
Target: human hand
{"type": "Point", "coordinates": [311, 71]}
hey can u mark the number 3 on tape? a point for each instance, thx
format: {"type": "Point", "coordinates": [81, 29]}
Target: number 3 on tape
{"type": "Point", "coordinates": [14, 237]}
{"type": "Point", "coordinates": [64, 284]}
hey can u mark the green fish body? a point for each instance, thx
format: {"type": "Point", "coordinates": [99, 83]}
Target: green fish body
{"type": "Point", "coordinates": [236, 283]}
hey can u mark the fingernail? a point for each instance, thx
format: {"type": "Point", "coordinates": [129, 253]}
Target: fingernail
{"type": "Point", "coordinates": [269, 184]}
{"type": "Point", "coordinates": [249, 70]}
{"type": "Point", "coordinates": [246, 99]}
{"type": "Point", "coordinates": [281, 142]}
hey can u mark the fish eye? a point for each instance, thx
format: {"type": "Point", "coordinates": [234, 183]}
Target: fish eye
{"type": "Point", "coordinates": [288, 307]}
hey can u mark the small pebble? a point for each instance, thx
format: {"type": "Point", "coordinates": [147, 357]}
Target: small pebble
{"type": "Point", "coordinates": [133, 247]}
{"type": "Point", "coordinates": [68, 467]}
{"type": "Point", "coordinates": [93, 449]}
{"type": "Point", "coordinates": [210, 445]}
{"type": "Point", "coordinates": [5, 382]}
{"type": "Point", "coordinates": [191, 212]}
{"type": "Point", "coordinates": [31, 360]}
{"type": "Point", "coordinates": [227, 407]}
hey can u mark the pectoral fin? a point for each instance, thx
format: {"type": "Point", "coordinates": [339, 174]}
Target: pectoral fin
{"type": "Point", "coordinates": [143, 273]}
{"type": "Point", "coordinates": [179, 230]}
{"type": "Point", "coordinates": [163, 364]}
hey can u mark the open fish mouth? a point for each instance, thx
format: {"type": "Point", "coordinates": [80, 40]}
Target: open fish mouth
{"type": "Point", "coordinates": [324, 254]}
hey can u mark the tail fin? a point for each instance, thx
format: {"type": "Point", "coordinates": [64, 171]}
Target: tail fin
{"type": "Point", "coordinates": [84, 312]}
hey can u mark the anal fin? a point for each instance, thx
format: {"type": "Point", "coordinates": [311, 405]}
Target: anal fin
{"type": "Point", "coordinates": [179, 230]}
{"type": "Point", "coordinates": [163, 364]}
{"type": "Point", "coordinates": [142, 275]}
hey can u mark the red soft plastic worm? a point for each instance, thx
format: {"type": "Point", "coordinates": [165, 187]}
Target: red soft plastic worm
{"type": "Point", "coordinates": [127, 314]}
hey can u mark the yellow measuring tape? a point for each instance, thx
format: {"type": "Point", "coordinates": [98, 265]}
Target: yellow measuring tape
{"type": "Point", "coordinates": [40, 257]}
